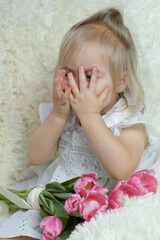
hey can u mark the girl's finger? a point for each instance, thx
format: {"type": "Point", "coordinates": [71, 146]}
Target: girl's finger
{"type": "Point", "coordinates": [58, 82]}
{"type": "Point", "coordinates": [57, 90]}
{"type": "Point", "coordinates": [82, 79]}
{"type": "Point", "coordinates": [65, 95]}
{"type": "Point", "coordinates": [73, 85]}
{"type": "Point", "coordinates": [63, 72]}
{"type": "Point", "coordinates": [93, 81]}
{"type": "Point", "coordinates": [71, 98]}
{"type": "Point", "coordinates": [60, 75]}
{"type": "Point", "coordinates": [104, 93]}
{"type": "Point", "coordinates": [67, 90]}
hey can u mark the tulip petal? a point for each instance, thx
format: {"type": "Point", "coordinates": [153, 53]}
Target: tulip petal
{"type": "Point", "coordinates": [92, 175]}
{"type": "Point", "coordinates": [45, 221]}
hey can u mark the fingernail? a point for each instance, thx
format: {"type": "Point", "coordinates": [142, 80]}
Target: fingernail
{"type": "Point", "coordinates": [81, 68]}
{"type": "Point", "coordinates": [69, 74]}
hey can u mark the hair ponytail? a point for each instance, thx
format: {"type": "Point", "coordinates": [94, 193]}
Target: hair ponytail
{"type": "Point", "coordinates": [112, 19]}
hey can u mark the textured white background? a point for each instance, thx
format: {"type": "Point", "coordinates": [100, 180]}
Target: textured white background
{"type": "Point", "coordinates": [30, 35]}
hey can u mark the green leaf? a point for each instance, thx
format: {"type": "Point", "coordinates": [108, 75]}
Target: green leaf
{"type": "Point", "coordinates": [47, 194]}
{"type": "Point", "coordinates": [44, 213]}
{"type": "Point", "coordinates": [65, 235]}
{"type": "Point", "coordinates": [2, 197]}
{"type": "Point", "coordinates": [10, 204]}
{"type": "Point", "coordinates": [107, 181]}
{"type": "Point", "coordinates": [13, 206]}
{"type": "Point", "coordinates": [26, 191]}
{"type": "Point", "coordinates": [70, 182]}
{"type": "Point", "coordinates": [76, 214]}
{"type": "Point", "coordinates": [51, 206]}
{"type": "Point", "coordinates": [54, 190]}
{"type": "Point", "coordinates": [22, 193]}
{"type": "Point", "coordinates": [37, 227]}
{"type": "Point", "coordinates": [64, 221]}
{"type": "Point", "coordinates": [47, 210]}
{"type": "Point", "coordinates": [59, 209]}
{"type": "Point", "coordinates": [41, 203]}
{"type": "Point", "coordinates": [63, 196]}
{"type": "Point", "coordinates": [55, 185]}
{"type": "Point", "coordinates": [56, 208]}
{"type": "Point", "coordinates": [99, 178]}
{"type": "Point", "coordinates": [70, 189]}
{"type": "Point", "coordinates": [43, 200]}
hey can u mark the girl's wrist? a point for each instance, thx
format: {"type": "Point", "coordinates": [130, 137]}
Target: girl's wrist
{"type": "Point", "coordinates": [59, 116]}
{"type": "Point", "coordinates": [84, 119]}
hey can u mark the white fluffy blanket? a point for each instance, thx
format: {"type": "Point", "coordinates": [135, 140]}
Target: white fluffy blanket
{"type": "Point", "coordinates": [139, 219]}
{"type": "Point", "coordinates": [30, 35]}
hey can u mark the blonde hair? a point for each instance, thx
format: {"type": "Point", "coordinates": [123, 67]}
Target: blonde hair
{"type": "Point", "coordinates": [107, 29]}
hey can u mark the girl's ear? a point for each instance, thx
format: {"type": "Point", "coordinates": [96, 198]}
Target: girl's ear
{"type": "Point", "coordinates": [123, 83]}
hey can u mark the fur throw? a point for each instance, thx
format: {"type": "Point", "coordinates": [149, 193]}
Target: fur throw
{"type": "Point", "coordinates": [30, 35]}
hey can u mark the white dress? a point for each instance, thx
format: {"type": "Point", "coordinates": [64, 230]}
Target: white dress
{"type": "Point", "coordinates": [76, 158]}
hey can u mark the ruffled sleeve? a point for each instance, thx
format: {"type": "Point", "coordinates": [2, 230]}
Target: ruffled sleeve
{"type": "Point", "coordinates": [137, 119]}
{"type": "Point", "coordinates": [44, 110]}
{"type": "Point", "coordinates": [117, 120]}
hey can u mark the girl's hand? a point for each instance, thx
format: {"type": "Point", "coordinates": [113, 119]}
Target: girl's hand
{"type": "Point", "coordinates": [61, 92]}
{"type": "Point", "coordinates": [84, 100]}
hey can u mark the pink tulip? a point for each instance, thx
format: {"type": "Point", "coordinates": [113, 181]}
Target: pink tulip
{"type": "Point", "coordinates": [121, 189]}
{"type": "Point", "coordinates": [72, 203]}
{"type": "Point", "coordinates": [86, 183]}
{"type": "Point", "coordinates": [52, 227]}
{"type": "Point", "coordinates": [92, 203]}
{"type": "Point", "coordinates": [101, 190]}
{"type": "Point", "coordinates": [144, 181]}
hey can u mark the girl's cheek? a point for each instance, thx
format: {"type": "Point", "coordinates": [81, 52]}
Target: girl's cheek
{"type": "Point", "coordinates": [99, 89]}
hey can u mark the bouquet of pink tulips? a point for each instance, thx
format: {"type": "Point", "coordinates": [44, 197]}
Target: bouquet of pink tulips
{"type": "Point", "coordinates": [64, 205]}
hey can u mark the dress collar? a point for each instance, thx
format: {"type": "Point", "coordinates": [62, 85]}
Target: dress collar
{"type": "Point", "coordinates": [116, 114]}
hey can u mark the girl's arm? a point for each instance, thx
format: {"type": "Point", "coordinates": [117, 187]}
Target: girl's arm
{"type": "Point", "coordinates": [119, 156]}
{"type": "Point", "coordinates": [43, 143]}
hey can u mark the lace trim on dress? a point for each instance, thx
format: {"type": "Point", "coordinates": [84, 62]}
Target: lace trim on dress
{"type": "Point", "coordinates": [81, 164]}
{"type": "Point", "coordinates": [75, 148]}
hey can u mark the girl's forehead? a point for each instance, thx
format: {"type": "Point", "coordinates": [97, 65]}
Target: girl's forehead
{"type": "Point", "coordinates": [89, 55]}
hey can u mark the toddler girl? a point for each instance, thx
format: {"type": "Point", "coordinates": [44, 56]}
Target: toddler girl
{"type": "Point", "coordinates": [96, 120]}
